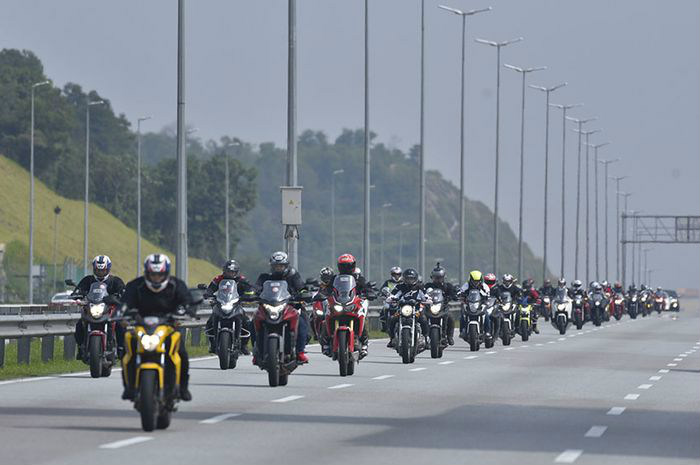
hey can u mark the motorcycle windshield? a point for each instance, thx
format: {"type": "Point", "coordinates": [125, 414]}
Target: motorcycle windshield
{"type": "Point", "coordinates": [275, 292]}
{"type": "Point", "coordinates": [474, 299]}
{"type": "Point", "coordinates": [506, 298]}
{"type": "Point", "coordinates": [97, 293]}
{"type": "Point", "coordinates": [561, 295]}
{"type": "Point", "coordinates": [436, 296]}
{"type": "Point", "coordinates": [228, 292]}
{"type": "Point", "coordinates": [597, 298]}
{"type": "Point", "coordinates": [344, 288]}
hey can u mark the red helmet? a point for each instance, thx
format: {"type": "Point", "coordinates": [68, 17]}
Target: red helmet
{"type": "Point", "coordinates": [490, 280]}
{"type": "Point", "coordinates": [346, 264]}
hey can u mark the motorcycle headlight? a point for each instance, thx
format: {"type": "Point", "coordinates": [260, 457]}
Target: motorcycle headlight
{"type": "Point", "coordinates": [618, 302]}
{"type": "Point", "coordinates": [338, 308]}
{"type": "Point", "coordinates": [407, 310]}
{"type": "Point", "coordinates": [274, 311]}
{"type": "Point", "coordinates": [634, 299]}
{"type": "Point", "coordinates": [319, 312]}
{"type": "Point", "coordinates": [561, 307]}
{"type": "Point", "coordinates": [546, 300]}
{"type": "Point", "coordinates": [226, 308]}
{"type": "Point", "coordinates": [435, 308]}
{"type": "Point", "coordinates": [150, 342]}
{"type": "Point", "coordinates": [507, 306]}
{"type": "Point", "coordinates": [97, 310]}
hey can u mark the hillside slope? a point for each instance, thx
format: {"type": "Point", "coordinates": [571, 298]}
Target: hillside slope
{"type": "Point", "coordinates": [108, 235]}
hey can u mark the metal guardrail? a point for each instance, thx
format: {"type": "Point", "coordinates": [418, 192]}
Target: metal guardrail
{"type": "Point", "coordinates": [24, 322]}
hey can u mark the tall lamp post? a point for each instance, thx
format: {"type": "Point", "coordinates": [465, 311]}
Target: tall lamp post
{"type": "Point", "coordinates": [617, 180]}
{"type": "Point", "coordinates": [31, 194]}
{"type": "Point", "coordinates": [596, 162]}
{"type": "Point", "coordinates": [547, 91]}
{"type": "Point", "coordinates": [498, 46]}
{"type": "Point", "coordinates": [605, 164]}
{"type": "Point", "coordinates": [524, 72]}
{"type": "Point", "coordinates": [365, 230]}
{"type": "Point", "coordinates": [335, 173]}
{"type": "Point", "coordinates": [564, 109]}
{"type": "Point", "coordinates": [181, 198]}
{"type": "Point", "coordinates": [87, 182]}
{"type": "Point", "coordinates": [462, 200]}
{"type": "Point", "coordinates": [588, 204]}
{"type": "Point", "coordinates": [138, 191]}
{"type": "Point", "coordinates": [623, 246]}
{"type": "Point", "coordinates": [580, 123]}
{"type": "Point", "coordinates": [235, 143]}
{"type": "Point", "coordinates": [646, 269]}
{"type": "Point", "coordinates": [381, 256]}
{"type": "Point", "coordinates": [401, 230]}
{"type": "Point", "coordinates": [56, 212]}
{"type": "Point", "coordinates": [421, 183]}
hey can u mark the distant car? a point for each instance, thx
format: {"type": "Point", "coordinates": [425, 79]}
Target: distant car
{"type": "Point", "coordinates": [61, 299]}
{"type": "Point", "coordinates": [672, 302]}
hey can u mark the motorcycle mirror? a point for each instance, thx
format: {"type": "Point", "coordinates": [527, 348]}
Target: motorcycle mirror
{"type": "Point", "coordinates": [197, 296]}
{"type": "Point", "coordinates": [201, 286]}
{"type": "Point", "coordinates": [70, 282]}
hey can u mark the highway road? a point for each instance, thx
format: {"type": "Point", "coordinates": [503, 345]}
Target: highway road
{"type": "Point", "coordinates": [623, 393]}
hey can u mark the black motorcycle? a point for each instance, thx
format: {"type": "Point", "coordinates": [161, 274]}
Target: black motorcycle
{"type": "Point", "coordinates": [408, 333]}
{"type": "Point", "coordinates": [598, 304]}
{"type": "Point", "coordinates": [578, 311]}
{"type": "Point", "coordinates": [229, 316]}
{"type": "Point", "coordinates": [437, 313]}
{"type": "Point", "coordinates": [473, 314]}
{"type": "Point", "coordinates": [633, 304]}
{"type": "Point", "coordinates": [506, 312]}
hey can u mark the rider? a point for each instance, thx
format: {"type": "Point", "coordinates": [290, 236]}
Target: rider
{"type": "Point", "coordinates": [409, 283]}
{"type": "Point", "coordinates": [156, 293]}
{"type": "Point", "coordinates": [618, 289]}
{"type": "Point", "coordinates": [547, 290]}
{"type": "Point", "coordinates": [231, 270]}
{"type": "Point", "coordinates": [281, 271]}
{"type": "Point", "coordinates": [387, 287]}
{"type": "Point", "coordinates": [437, 277]}
{"type": "Point", "coordinates": [476, 281]}
{"type": "Point", "coordinates": [490, 280]}
{"type": "Point", "coordinates": [508, 285]}
{"type": "Point", "coordinates": [101, 268]}
{"type": "Point", "coordinates": [325, 280]}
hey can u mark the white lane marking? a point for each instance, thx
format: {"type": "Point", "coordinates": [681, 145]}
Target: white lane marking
{"type": "Point", "coordinates": [26, 380]}
{"type": "Point", "coordinates": [677, 359]}
{"type": "Point", "coordinates": [595, 431]}
{"type": "Point", "coordinates": [491, 352]}
{"type": "Point", "coordinates": [219, 418]}
{"type": "Point", "coordinates": [471, 357]}
{"type": "Point", "coordinates": [126, 442]}
{"type": "Point", "coordinates": [417, 369]}
{"type": "Point", "coordinates": [671, 364]}
{"type": "Point", "coordinates": [287, 399]}
{"type": "Point", "coordinates": [616, 411]}
{"type": "Point", "coordinates": [525, 346]}
{"type": "Point", "coordinates": [568, 456]}
{"type": "Point", "coordinates": [383, 377]}
{"type": "Point", "coordinates": [571, 335]}
{"type": "Point", "coordinates": [664, 371]}
{"type": "Point", "coordinates": [644, 386]}
{"type": "Point", "coordinates": [508, 348]}
{"type": "Point", "coordinates": [539, 344]}
{"type": "Point", "coordinates": [632, 397]}
{"type": "Point", "coordinates": [682, 355]}
{"type": "Point", "coordinates": [340, 386]}
{"type": "Point", "coordinates": [448, 362]}
{"type": "Point", "coordinates": [551, 342]}
{"type": "Point", "coordinates": [654, 378]}
{"type": "Point", "coordinates": [562, 339]}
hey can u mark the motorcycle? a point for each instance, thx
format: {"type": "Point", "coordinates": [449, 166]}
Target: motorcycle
{"type": "Point", "coordinates": [524, 321]}
{"type": "Point", "coordinates": [276, 322]}
{"type": "Point", "coordinates": [474, 313]}
{"type": "Point", "coordinates": [506, 314]}
{"type": "Point", "coordinates": [437, 322]}
{"type": "Point", "coordinates": [633, 305]}
{"type": "Point", "coordinates": [346, 321]}
{"type": "Point", "coordinates": [230, 328]}
{"type": "Point", "coordinates": [597, 308]}
{"type": "Point", "coordinates": [618, 306]}
{"type": "Point", "coordinates": [659, 303]}
{"type": "Point", "coordinates": [408, 334]}
{"type": "Point", "coordinates": [562, 311]}
{"type": "Point", "coordinates": [545, 308]}
{"type": "Point", "coordinates": [100, 343]}
{"type": "Point", "coordinates": [579, 311]}
{"type": "Point", "coordinates": [318, 315]}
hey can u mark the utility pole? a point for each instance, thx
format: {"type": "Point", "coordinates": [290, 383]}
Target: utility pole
{"type": "Point", "coordinates": [617, 218]}
{"type": "Point", "coordinates": [605, 164]}
{"type": "Point", "coordinates": [366, 252]}
{"type": "Point", "coordinates": [597, 235]}
{"type": "Point", "coordinates": [588, 198]}
{"type": "Point", "coordinates": [181, 204]}
{"type": "Point", "coordinates": [86, 217]}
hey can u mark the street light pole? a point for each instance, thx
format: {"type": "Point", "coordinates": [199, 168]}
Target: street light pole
{"type": "Point", "coordinates": [588, 199]}
{"type": "Point", "coordinates": [421, 183]}
{"type": "Point", "coordinates": [227, 195]}
{"type": "Point", "coordinates": [564, 109]}
{"type": "Point", "coordinates": [56, 212]}
{"type": "Point", "coordinates": [291, 234]}
{"type": "Point", "coordinates": [617, 226]}
{"type": "Point", "coordinates": [335, 173]}
{"type": "Point", "coordinates": [580, 123]}
{"type": "Point", "coordinates": [605, 164]}
{"type": "Point", "coordinates": [31, 194]}
{"type": "Point", "coordinates": [138, 191]}
{"type": "Point", "coordinates": [596, 162]}
{"type": "Point", "coordinates": [87, 181]}
{"type": "Point", "coordinates": [181, 253]}
{"type": "Point", "coordinates": [366, 225]}
{"type": "Point", "coordinates": [462, 199]}
{"type": "Point", "coordinates": [547, 90]}
{"type": "Point", "coordinates": [381, 257]}
{"type": "Point", "coordinates": [523, 72]}
{"type": "Point", "coordinates": [401, 229]}
{"type": "Point", "coordinates": [646, 269]}
{"type": "Point", "coordinates": [498, 46]}
{"type": "Point", "coordinates": [623, 243]}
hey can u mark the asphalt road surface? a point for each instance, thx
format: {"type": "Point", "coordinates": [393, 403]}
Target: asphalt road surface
{"type": "Point", "coordinates": [624, 393]}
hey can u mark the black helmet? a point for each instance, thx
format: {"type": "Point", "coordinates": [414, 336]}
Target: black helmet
{"type": "Point", "coordinates": [326, 274]}
{"type": "Point", "coordinates": [528, 283]}
{"type": "Point", "coordinates": [395, 273]}
{"type": "Point", "coordinates": [279, 262]}
{"type": "Point", "coordinates": [547, 283]}
{"type": "Point", "coordinates": [438, 274]}
{"type": "Point", "coordinates": [231, 269]}
{"type": "Point", "coordinates": [410, 276]}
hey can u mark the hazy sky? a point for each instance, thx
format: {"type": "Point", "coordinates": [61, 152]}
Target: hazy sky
{"type": "Point", "coordinates": [635, 64]}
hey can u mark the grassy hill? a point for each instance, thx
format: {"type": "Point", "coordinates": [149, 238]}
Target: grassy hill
{"type": "Point", "coordinates": [107, 234]}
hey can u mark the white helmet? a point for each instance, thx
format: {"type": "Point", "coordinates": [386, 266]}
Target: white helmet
{"type": "Point", "coordinates": [156, 271]}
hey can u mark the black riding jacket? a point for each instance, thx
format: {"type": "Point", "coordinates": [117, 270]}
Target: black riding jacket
{"type": "Point", "coordinates": [294, 281]}
{"type": "Point", "coordinates": [138, 296]}
{"type": "Point", "coordinates": [115, 286]}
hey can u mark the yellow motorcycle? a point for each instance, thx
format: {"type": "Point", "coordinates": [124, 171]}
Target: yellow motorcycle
{"type": "Point", "coordinates": [524, 325]}
{"type": "Point", "coordinates": [154, 342]}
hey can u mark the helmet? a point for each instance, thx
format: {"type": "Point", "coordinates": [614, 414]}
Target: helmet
{"type": "Point", "coordinates": [507, 280]}
{"type": "Point", "coordinates": [605, 284]}
{"type": "Point", "coordinates": [528, 283]}
{"type": "Point", "coordinates": [475, 278]}
{"type": "Point", "coordinates": [156, 271]}
{"type": "Point", "coordinates": [577, 284]}
{"type": "Point", "coordinates": [490, 280]}
{"type": "Point", "coordinates": [357, 272]}
{"type": "Point", "coordinates": [562, 282]}
{"type": "Point", "coordinates": [596, 286]}
{"type": "Point", "coordinates": [410, 276]}
{"type": "Point", "coordinates": [643, 287]}
{"type": "Point", "coordinates": [438, 274]}
{"type": "Point", "coordinates": [618, 284]}
{"type": "Point", "coordinates": [231, 269]}
{"type": "Point", "coordinates": [326, 274]}
{"type": "Point", "coordinates": [279, 262]}
{"type": "Point", "coordinates": [395, 273]}
{"type": "Point", "coordinates": [101, 266]}
{"type": "Point", "coordinates": [658, 289]}
{"type": "Point", "coordinates": [346, 264]}
{"type": "Point", "coordinates": [547, 283]}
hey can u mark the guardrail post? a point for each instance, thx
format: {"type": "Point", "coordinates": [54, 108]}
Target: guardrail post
{"type": "Point", "coordinates": [196, 336]}
{"type": "Point", "coordinates": [2, 352]}
{"type": "Point", "coordinates": [68, 347]}
{"type": "Point", "coordinates": [23, 350]}
{"type": "Point", "coordinates": [47, 344]}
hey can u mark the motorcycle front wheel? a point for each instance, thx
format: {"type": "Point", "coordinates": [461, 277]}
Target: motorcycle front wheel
{"type": "Point", "coordinates": [435, 342]}
{"type": "Point", "coordinates": [524, 331]}
{"type": "Point", "coordinates": [273, 362]}
{"type": "Point", "coordinates": [343, 355]}
{"type": "Point", "coordinates": [95, 356]}
{"type": "Point", "coordinates": [148, 405]}
{"type": "Point", "coordinates": [224, 351]}
{"type": "Point", "coordinates": [473, 338]}
{"type": "Point", "coordinates": [405, 348]}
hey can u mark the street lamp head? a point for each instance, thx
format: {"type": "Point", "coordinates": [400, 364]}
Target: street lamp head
{"type": "Point", "coordinates": [597, 146]}
{"type": "Point", "coordinates": [525, 70]}
{"type": "Point", "coordinates": [42, 83]}
{"type": "Point", "coordinates": [566, 107]}
{"type": "Point", "coordinates": [480, 10]}
{"type": "Point", "coordinates": [386, 205]}
{"type": "Point", "coordinates": [548, 89]}
{"type": "Point", "coordinates": [96, 102]}
{"type": "Point", "coordinates": [498, 44]}
{"type": "Point", "coordinates": [581, 121]}
{"type": "Point", "coordinates": [450, 9]}
{"type": "Point", "coordinates": [144, 118]}
{"type": "Point", "coordinates": [340, 171]}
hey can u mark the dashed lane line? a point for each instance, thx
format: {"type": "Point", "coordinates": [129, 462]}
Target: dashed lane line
{"type": "Point", "coordinates": [471, 357]}
{"type": "Point", "coordinates": [664, 371]}
{"type": "Point", "coordinates": [632, 397]}
{"type": "Point", "coordinates": [644, 386]}
{"type": "Point", "coordinates": [340, 386]}
{"type": "Point", "coordinates": [383, 377]}
{"type": "Point", "coordinates": [287, 399]}
{"type": "Point", "coordinates": [491, 352]}
{"type": "Point", "coordinates": [418, 369]}
{"type": "Point", "coordinates": [126, 442]}
{"type": "Point", "coordinates": [595, 431]}
{"type": "Point", "coordinates": [654, 378]}
{"type": "Point", "coordinates": [671, 364]}
{"type": "Point", "coordinates": [568, 456]}
{"type": "Point", "coordinates": [616, 411]}
{"type": "Point", "coordinates": [447, 362]}
{"type": "Point", "coordinates": [219, 418]}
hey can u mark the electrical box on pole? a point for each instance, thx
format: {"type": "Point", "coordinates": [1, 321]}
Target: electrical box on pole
{"type": "Point", "coordinates": [291, 205]}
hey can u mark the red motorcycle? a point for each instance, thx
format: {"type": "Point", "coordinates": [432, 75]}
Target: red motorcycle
{"type": "Point", "coordinates": [345, 322]}
{"type": "Point", "coordinates": [318, 315]}
{"type": "Point", "coordinates": [276, 323]}
{"type": "Point", "coordinates": [617, 306]}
